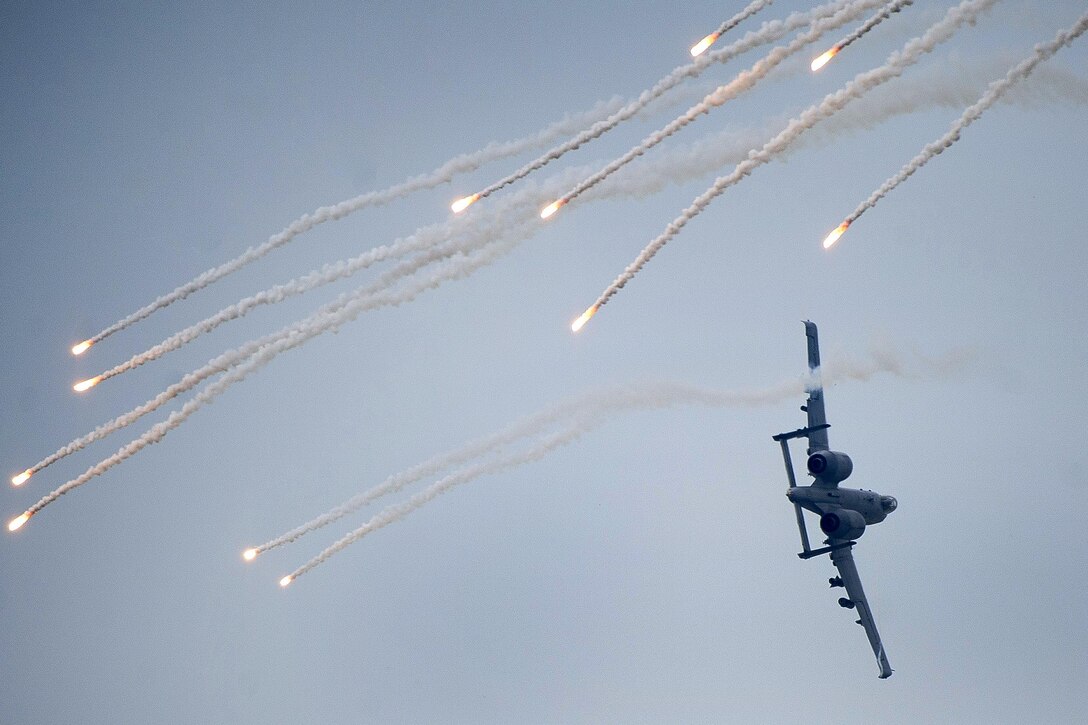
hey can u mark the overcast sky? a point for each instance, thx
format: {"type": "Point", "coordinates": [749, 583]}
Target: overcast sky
{"type": "Point", "coordinates": [646, 572]}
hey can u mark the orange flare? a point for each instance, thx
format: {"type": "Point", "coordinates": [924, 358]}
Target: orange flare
{"type": "Point", "coordinates": [821, 61]}
{"type": "Point", "coordinates": [551, 208]}
{"type": "Point", "coordinates": [249, 554]}
{"type": "Point", "coordinates": [581, 321]}
{"type": "Point", "coordinates": [87, 384]}
{"type": "Point", "coordinates": [16, 523]}
{"type": "Point", "coordinates": [835, 234]}
{"type": "Point", "coordinates": [703, 44]}
{"type": "Point", "coordinates": [463, 203]}
{"type": "Point", "coordinates": [22, 477]}
{"type": "Point", "coordinates": [285, 581]}
{"type": "Point", "coordinates": [81, 347]}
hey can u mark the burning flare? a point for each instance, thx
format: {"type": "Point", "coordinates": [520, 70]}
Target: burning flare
{"type": "Point", "coordinates": [285, 581]}
{"type": "Point", "coordinates": [551, 208]}
{"type": "Point", "coordinates": [16, 523]}
{"type": "Point", "coordinates": [821, 61]}
{"type": "Point", "coordinates": [81, 347]}
{"type": "Point", "coordinates": [249, 554]}
{"type": "Point", "coordinates": [585, 317]}
{"type": "Point", "coordinates": [463, 203]}
{"type": "Point", "coordinates": [703, 44]}
{"type": "Point", "coordinates": [835, 234]}
{"type": "Point", "coordinates": [87, 384]}
{"type": "Point", "coordinates": [22, 477]}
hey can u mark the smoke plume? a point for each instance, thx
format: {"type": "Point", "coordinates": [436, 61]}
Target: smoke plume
{"type": "Point", "coordinates": [443, 174]}
{"type": "Point", "coordinates": [972, 113]}
{"type": "Point", "coordinates": [746, 80]}
{"type": "Point", "coordinates": [769, 32]}
{"type": "Point", "coordinates": [966, 12]}
{"type": "Point", "coordinates": [579, 416]}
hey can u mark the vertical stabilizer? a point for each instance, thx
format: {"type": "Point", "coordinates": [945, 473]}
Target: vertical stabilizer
{"type": "Point", "coordinates": [817, 439]}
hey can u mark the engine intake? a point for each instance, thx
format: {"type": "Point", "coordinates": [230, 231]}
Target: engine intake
{"type": "Point", "coordinates": [843, 524]}
{"type": "Point", "coordinates": [830, 466]}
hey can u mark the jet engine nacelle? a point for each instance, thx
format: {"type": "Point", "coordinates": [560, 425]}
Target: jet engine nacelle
{"type": "Point", "coordinates": [844, 524]}
{"type": "Point", "coordinates": [830, 466]}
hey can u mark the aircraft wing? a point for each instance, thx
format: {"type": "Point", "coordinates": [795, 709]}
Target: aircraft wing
{"type": "Point", "coordinates": [814, 406]}
{"type": "Point", "coordinates": [843, 560]}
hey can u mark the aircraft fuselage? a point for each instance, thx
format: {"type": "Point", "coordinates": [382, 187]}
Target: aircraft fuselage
{"type": "Point", "coordinates": [821, 499]}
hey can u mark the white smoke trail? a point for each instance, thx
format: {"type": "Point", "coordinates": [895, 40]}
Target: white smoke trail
{"type": "Point", "coordinates": [679, 166]}
{"type": "Point", "coordinates": [514, 214]}
{"type": "Point", "coordinates": [399, 511]}
{"type": "Point", "coordinates": [745, 80]}
{"type": "Point", "coordinates": [530, 426]}
{"type": "Point", "coordinates": [425, 238]}
{"type": "Point", "coordinates": [504, 223]}
{"type": "Point", "coordinates": [883, 14]}
{"type": "Point", "coordinates": [512, 218]}
{"type": "Point", "coordinates": [508, 230]}
{"type": "Point", "coordinates": [972, 113]}
{"type": "Point", "coordinates": [966, 12]}
{"type": "Point", "coordinates": [730, 147]}
{"type": "Point", "coordinates": [948, 84]}
{"type": "Point", "coordinates": [934, 89]}
{"type": "Point", "coordinates": [753, 7]}
{"type": "Point", "coordinates": [585, 415]}
{"type": "Point", "coordinates": [769, 32]}
{"type": "Point", "coordinates": [593, 404]}
{"type": "Point", "coordinates": [433, 238]}
{"type": "Point", "coordinates": [441, 175]}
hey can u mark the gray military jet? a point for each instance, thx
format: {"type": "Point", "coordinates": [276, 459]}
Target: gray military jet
{"type": "Point", "coordinates": [844, 512]}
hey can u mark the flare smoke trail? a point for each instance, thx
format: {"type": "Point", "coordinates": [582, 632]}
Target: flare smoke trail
{"type": "Point", "coordinates": [933, 88]}
{"type": "Point", "coordinates": [769, 32]}
{"type": "Point", "coordinates": [745, 80]}
{"type": "Point", "coordinates": [586, 414]}
{"type": "Point", "coordinates": [494, 232]}
{"type": "Point", "coordinates": [883, 14]}
{"type": "Point", "coordinates": [754, 7]}
{"type": "Point", "coordinates": [966, 12]}
{"type": "Point", "coordinates": [593, 404]}
{"type": "Point", "coordinates": [509, 229]}
{"type": "Point", "coordinates": [678, 166]}
{"type": "Point", "coordinates": [509, 222]}
{"type": "Point", "coordinates": [456, 269]}
{"type": "Point", "coordinates": [399, 511]}
{"type": "Point", "coordinates": [947, 84]}
{"type": "Point", "coordinates": [886, 12]}
{"type": "Point", "coordinates": [996, 90]}
{"type": "Point", "coordinates": [443, 174]}
{"type": "Point", "coordinates": [701, 157]}
{"type": "Point", "coordinates": [428, 238]}
{"type": "Point", "coordinates": [534, 425]}
{"type": "Point", "coordinates": [936, 89]}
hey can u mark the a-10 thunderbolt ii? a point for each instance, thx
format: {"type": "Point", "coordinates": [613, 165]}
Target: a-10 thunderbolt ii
{"type": "Point", "coordinates": [844, 512]}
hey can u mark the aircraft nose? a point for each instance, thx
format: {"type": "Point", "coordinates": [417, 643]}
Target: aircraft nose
{"type": "Point", "coordinates": [888, 503]}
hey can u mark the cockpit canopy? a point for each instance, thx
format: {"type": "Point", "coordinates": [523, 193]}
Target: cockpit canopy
{"type": "Point", "coordinates": [888, 503]}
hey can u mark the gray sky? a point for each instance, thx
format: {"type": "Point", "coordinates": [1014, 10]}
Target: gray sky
{"type": "Point", "coordinates": [646, 573]}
